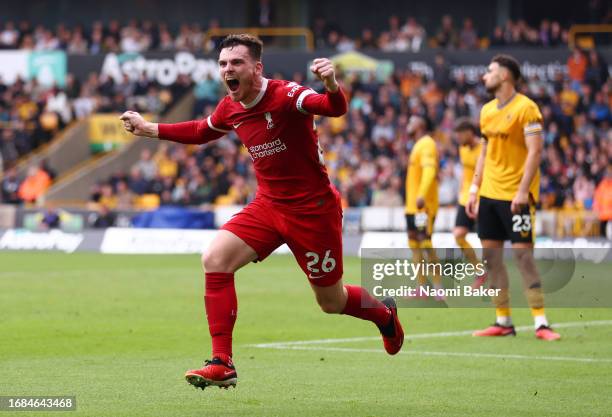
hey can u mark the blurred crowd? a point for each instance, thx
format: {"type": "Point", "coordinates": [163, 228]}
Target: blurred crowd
{"type": "Point", "coordinates": [409, 35]}
{"type": "Point", "coordinates": [135, 36]}
{"type": "Point", "coordinates": [180, 175]}
{"type": "Point", "coordinates": [31, 114]}
{"type": "Point", "coordinates": [366, 151]}
{"type": "Point", "coordinates": [401, 34]}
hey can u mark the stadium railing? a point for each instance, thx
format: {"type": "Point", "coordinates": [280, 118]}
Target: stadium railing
{"type": "Point", "coordinates": [556, 224]}
{"type": "Point", "coordinates": [575, 31]}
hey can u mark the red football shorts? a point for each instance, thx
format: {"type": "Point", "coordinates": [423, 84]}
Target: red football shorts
{"type": "Point", "coordinates": [314, 238]}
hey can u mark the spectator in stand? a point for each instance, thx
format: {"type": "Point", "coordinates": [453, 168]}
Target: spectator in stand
{"type": "Point", "coordinates": [468, 39]}
{"type": "Point", "coordinates": [345, 44]}
{"type": "Point", "coordinates": [583, 190]}
{"type": "Point", "coordinates": [34, 185]}
{"type": "Point", "coordinates": [556, 34]}
{"type": "Point", "coordinates": [603, 203]}
{"type": "Point", "coordinates": [498, 39]}
{"type": "Point", "coordinates": [599, 111]}
{"type": "Point", "coordinates": [136, 183]}
{"type": "Point", "coordinates": [414, 33]}
{"type": "Point", "coordinates": [125, 198]}
{"type": "Point", "coordinates": [146, 166]}
{"type": "Point", "coordinates": [8, 147]}
{"type": "Point", "coordinates": [576, 67]}
{"type": "Point", "coordinates": [544, 33]}
{"type": "Point", "coordinates": [387, 193]}
{"type": "Point", "coordinates": [447, 36]}
{"type": "Point", "coordinates": [9, 36]}
{"type": "Point", "coordinates": [103, 219]}
{"type": "Point", "coordinates": [166, 161]}
{"type": "Point", "coordinates": [50, 219]}
{"type": "Point", "coordinates": [597, 73]}
{"type": "Point", "coordinates": [77, 44]}
{"type": "Point", "coordinates": [441, 71]}
{"type": "Point", "coordinates": [367, 40]}
{"type": "Point", "coordinates": [107, 197]}
{"type": "Point", "coordinates": [9, 193]}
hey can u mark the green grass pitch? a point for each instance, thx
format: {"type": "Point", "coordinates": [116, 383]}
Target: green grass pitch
{"type": "Point", "coordinates": [119, 332]}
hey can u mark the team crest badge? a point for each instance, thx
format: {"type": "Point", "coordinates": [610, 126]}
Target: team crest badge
{"type": "Point", "coordinates": [268, 117]}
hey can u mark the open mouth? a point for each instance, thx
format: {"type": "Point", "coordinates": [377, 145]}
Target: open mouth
{"type": "Point", "coordinates": [232, 84]}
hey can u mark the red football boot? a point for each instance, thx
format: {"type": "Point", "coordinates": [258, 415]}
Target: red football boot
{"type": "Point", "coordinates": [480, 280]}
{"type": "Point", "coordinates": [496, 330]}
{"type": "Point", "coordinates": [392, 333]}
{"type": "Point", "coordinates": [546, 333]}
{"type": "Point", "coordinates": [215, 372]}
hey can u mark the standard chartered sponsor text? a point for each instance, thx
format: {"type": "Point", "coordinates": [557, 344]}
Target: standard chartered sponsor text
{"type": "Point", "coordinates": [267, 149]}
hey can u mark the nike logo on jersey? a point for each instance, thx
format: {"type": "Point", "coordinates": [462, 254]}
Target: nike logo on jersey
{"type": "Point", "coordinates": [315, 277]}
{"type": "Point", "coordinates": [237, 125]}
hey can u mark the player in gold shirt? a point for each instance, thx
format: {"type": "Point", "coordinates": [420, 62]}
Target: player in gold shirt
{"type": "Point", "coordinates": [422, 194]}
{"type": "Point", "coordinates": [468, 137]}
{"type": "Point", "coordinates": [507, 178]}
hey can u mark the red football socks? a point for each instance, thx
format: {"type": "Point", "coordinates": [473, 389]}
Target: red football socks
{"type": "Point", "coordinates": [221, 309]}
{"type": "Point", "coordinates": [362, 305]}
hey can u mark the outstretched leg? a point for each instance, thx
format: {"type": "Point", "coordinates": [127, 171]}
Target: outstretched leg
{"type": "Point", "coordinates": [355, 301]}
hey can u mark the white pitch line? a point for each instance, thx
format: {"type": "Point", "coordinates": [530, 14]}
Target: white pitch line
{"type": "Point", "coordinates": [420, 335]}
{"type": "Point", "coordinates": [459, 354]}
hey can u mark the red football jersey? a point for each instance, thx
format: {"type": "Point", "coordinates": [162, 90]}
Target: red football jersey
{"type": "Point", "coordinates": [281, 139]}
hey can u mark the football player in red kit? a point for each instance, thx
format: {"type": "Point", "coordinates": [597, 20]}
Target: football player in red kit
{"type": "Point", "coordinates": [295, 202]}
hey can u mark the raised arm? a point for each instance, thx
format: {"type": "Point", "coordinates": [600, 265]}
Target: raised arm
{"type": "Point", "coordinates": [328, 104]}
{"type": "Point", "coordinates": [191, 132]}
{"type": "Point", "coordinates": [333, 102]}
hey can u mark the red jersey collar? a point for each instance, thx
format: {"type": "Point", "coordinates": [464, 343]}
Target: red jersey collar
{"type": "Point", "coordinates": [264, 86]}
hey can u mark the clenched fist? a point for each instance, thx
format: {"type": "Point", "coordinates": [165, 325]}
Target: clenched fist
{"type": "Point", "coordinates": [323, 68]}
{"type": "Point", "coordinates": [133, 122]}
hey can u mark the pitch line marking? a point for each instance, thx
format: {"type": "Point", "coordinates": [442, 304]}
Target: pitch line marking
{"type": "Point", "coordinates": [421, 335]}
{"type": "Point", "coordinates": [304, 345]}
{"type": "Point", "coordinates": [456, 354]}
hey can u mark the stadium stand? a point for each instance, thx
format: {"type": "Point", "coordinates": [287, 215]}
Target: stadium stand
{"type": "Point", "coordinates": [31, 115]}
{"type": "Point", "coordinates": [402, 34]}
{"type": "Point", "coordinates": [366, 150]}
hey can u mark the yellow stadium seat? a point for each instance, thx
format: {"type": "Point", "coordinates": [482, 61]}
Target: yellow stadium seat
{"type": "Point", "coordinates": [147, 202]}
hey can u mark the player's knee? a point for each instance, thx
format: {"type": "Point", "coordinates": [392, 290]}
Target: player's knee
{"type": "Point", "coordinates": [459, 235]}
{"type": "Point", "coordinates": [331, 306]}
{"type": "Point", "coordinates": [213, 261]}
{"type": "Point", "coordinates": [524, 258]}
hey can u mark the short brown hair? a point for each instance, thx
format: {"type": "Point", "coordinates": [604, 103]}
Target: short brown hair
{"type": "Point", "coordinates": [510, 63]}
{"type": "Point", "coordinates": [253, 43]}
{"type": "Point", "coordinates": [463, 124]}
